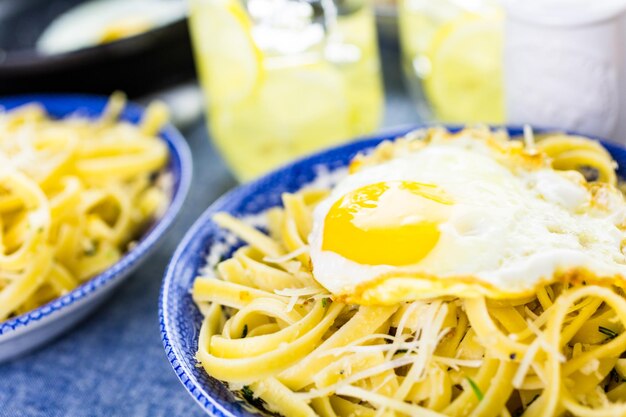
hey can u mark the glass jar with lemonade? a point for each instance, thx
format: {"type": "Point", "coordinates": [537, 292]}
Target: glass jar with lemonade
{"type": "Point", "coordinates": [452, 58]}
{"type": "Point", "coordinates": [285, 77]}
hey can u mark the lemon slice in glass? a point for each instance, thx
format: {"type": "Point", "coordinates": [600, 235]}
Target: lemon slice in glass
{"type": "Point", "coordinates": [232, 64]}
{"type": "Point", "coordinates": [465, 83]}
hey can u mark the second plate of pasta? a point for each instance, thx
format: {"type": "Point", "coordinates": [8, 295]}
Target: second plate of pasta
{"type": "Point", "coordinates": [87, 187]}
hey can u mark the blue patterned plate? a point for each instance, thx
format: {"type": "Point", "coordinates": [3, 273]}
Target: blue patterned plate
{"type": "Point", "coordinates": [180, 319]}
{"type": "Point", "coordinates": [27, 331]}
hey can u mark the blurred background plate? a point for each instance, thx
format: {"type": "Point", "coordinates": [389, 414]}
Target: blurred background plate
{"type": "Point", "coordinates": [151, 59]}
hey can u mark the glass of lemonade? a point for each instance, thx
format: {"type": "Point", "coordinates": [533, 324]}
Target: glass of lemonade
{"type": "Point", "coordinates": [285, 77]}
{"type": "Point", "coordinates": [452, 58]}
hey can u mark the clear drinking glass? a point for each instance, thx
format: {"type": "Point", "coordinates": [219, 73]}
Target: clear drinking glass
{"type": "Point", "coordinates": [285, 77]}
{"type": "Point", "coordinates": [452, 58]}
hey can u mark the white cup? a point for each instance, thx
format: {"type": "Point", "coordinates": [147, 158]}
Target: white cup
{"type": "Point", "coordinates": [565, 65]}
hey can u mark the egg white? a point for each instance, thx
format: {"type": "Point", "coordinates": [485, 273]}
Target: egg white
{"type": "Point", "coordinates": [508, 230]}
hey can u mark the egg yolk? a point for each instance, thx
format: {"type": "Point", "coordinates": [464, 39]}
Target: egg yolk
{"type": "Point", "coordinates": [387, 223]}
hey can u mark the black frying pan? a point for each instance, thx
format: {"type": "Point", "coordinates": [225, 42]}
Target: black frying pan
{"type": "Point", "coordinates": [136, 65]}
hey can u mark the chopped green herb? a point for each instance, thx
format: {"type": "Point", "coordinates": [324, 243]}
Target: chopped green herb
{"type": "Point", "coordinates": [608, 332]}
{"type": "Point", "coordinates": [475, 388]}
{"type": "Point", "coordinates": [325, 302]}
{"type": "Point", "coordinates": [341, 372]}
{"type": "Point", "coordinates": [247, 393]}
{"type": "Point", "coordinates": [401, 351]}
{"type": "Point", "coordinates": [245, 331]}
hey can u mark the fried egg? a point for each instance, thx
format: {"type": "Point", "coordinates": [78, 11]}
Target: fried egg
{"type": "Point", "coordinates": [462, 215]}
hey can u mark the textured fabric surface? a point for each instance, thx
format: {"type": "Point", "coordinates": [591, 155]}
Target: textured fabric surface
{"type": "Point", "coordinates": [113, 363]}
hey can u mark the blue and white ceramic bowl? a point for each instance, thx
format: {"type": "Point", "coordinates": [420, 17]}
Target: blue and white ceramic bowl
{"type": "Point", "coordinates": [28, 331]}
{"type": "Point", "coordinates": [180, 319]}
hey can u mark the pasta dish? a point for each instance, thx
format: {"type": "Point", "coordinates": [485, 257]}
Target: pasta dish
{"type": "Point", "coordinates": [74, 194]}
{"type": "Point", "coordinates": [447, 274]}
